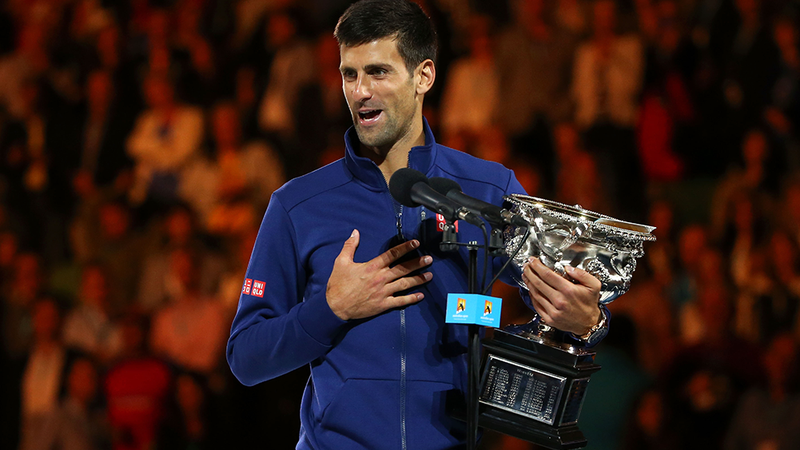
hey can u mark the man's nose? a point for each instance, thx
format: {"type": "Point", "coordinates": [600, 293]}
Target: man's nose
{"type": "Point", "coordinates": [362, 88]}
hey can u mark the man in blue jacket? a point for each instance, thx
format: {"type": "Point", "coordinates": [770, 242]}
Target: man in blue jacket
{"type": "Point", "coordinates": [347, 280]}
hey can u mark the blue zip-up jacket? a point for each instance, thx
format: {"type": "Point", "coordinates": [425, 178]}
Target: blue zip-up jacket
{"type": "Point", "coordinates": [376, 383]}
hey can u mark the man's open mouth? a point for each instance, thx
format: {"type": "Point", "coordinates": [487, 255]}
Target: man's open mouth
{"type": "Point", "coordinates": [369, 115]}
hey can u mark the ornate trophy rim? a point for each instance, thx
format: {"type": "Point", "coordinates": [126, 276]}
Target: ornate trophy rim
{"type": "Point", "coordinates": [575, 213]}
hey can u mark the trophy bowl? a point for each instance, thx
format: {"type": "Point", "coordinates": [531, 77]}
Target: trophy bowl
{"type": "Point", "coordinates": [570, 235]}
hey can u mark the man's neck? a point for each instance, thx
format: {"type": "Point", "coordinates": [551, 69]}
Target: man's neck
{"type": "Point", "coordinates": [396, 157]}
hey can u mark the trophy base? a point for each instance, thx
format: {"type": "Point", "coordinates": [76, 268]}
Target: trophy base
{"type": "Point", "coordinates": [505, 422]}
{"type": "Point", "coordinates": [533, 391]}
{"type": "Point", "coordinates": [557, 438]}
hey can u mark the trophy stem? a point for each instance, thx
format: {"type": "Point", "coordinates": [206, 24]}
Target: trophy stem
{"type": "Point", "coordinates": [541, 333]}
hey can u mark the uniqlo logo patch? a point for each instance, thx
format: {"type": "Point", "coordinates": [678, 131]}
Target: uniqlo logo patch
{"type": "Point", "coordinates": [248, 283]}
{"type": "Point", "coordinates": [440, 223]}
{"type": "Point", "coordinates": [258, 288]}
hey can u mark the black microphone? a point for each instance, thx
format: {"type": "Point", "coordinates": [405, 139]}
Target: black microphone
{"type": "Point", "coordinates": [410, 188]}
{"type": "Point", "coordinates": [493, 214]}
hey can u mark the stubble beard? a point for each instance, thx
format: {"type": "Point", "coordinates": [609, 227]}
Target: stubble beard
{"type": "Point", "coordinates": [385, 136]}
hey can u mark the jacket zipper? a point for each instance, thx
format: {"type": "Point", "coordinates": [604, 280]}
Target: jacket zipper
{"type": "Point", "coordinates": [403, 358]}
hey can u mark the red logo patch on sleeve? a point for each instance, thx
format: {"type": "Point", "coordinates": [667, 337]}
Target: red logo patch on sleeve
{"type": "Point", "coordinates": [248, 283]}
{"type": "Point", "coordinates": [258, 288]}
{"type": "Point", "coordinates": [440, 223]}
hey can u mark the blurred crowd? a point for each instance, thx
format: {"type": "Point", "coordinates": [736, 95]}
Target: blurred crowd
{"type": "Point", "coordinates": [140, 142]}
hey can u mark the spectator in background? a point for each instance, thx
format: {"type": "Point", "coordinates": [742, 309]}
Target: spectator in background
{"type": "Point", "coordinates": [88, 327]}
{"type": "Point", "coordinates": [666, 106]}
{"type": "Point", "coordinates": [767, 281]}
{"type": "Point", "coordinates": [471, 89]}
{"type": "Point", "coordinates": [652, 426]}
{"type": "Point", "coordinates": [745, 244]}
{"type": "Point", "coordinates": [106, 123]}
{"type": "Point", "coordinates": [247, 173]}
{"type": "Point", "coordinates": [18, 299]}
{"type": "Point", "coordinates": [189, 331]}
{"type": "Point", "coordinates": [77, 423]}
{"type": "Point", "coordinates": [749, 68]}
{"type": "Point", "coordinates": [607, 72]}
{"type": "Point", "coordinates": [578, 181]}
{"type": "Point", "coordinates": [293, 67]}
{"type": "Point", "coordinates": [107, 50]}
{"type": "Point", "coordinates": [111, 56]}
{"type": "Point", "coordinates": [783, 112]}
{"type": "Point", "coordinates": [9, 246]}
{"type": "Point", "coordinates": [661, 256]}
{"type": "Point", "coordinates": [692, 241]}
{"type": "Point", "coordinates": [768, 416]}
{"type": "Point", "coordinates": [177, 230]}
{"type": "Point", "coordinates": [783, 311]}
{"type": "Point", "coordinates": [246, 100]}
{"type": "Point", "coordinates": [165, 138]}
{"type": "Point", "coordinates": [20, 290]}
{"type": "Point", "coordinates": [788, 210]}
{"type": "Point", "coordinates": [192, 425]}
{"type": "Point", "coordinates": [136, 388]}
{"type": "Point", "coordinates": [28, 61]}
{"type": "Point", "coordinates": [152, 44]}
{"type": "Point", "coordinates": [754, 178]}
{"type": "Point", "coordinates": [712, 297]}
{"type": "Point", "coordinates": [106, 235]}
{"type": "Point", "coordinates": [42, 378]}
{"type": "Point", "coordinates": [199, 71]}
{"type": "Point", "coordinates": [34, 172]}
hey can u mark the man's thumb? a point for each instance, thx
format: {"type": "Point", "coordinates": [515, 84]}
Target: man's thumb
{"type": "Point", "coordinates": [350, 245]}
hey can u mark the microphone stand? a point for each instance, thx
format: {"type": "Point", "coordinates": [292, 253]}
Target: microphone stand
{"type": "Point", "coordinates": [450, 243]}
{"type": "Point", "coordinates": [474, 354]}
{"type": "Point", "coordinates": [496, 248]}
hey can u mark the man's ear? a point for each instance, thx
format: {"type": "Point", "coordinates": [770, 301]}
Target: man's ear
{"type": "Point", "coordinates": [425, 76]}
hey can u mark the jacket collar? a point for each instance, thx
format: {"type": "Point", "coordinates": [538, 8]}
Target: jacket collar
{"type": "Point", "coordinates": [420, 158]}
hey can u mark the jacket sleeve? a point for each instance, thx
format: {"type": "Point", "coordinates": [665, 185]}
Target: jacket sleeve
{"type": "Point", "coordinates": [275, 331]}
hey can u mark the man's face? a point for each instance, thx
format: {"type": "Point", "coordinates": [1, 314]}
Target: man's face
{"type": "Point", "coordinates": [380, 92]}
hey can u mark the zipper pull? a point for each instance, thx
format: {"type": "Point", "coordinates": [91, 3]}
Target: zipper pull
{"type": "Point", "coordinates": [399, 223]}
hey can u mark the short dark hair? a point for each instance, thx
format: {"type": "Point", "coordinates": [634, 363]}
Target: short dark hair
{"type": "Point", "coordinates": [369, 20]}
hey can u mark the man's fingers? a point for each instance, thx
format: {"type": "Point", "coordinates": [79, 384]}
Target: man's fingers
{"type": "Point", "coordinates": [543, 307]}
{"type": "Point", "coordinates": [403, 300]}
{"type": "Point", "coordinates": [406, 268]}
{"type": "Point", "coordinates": [405, 283]}
{"type": "Point", "coordinates": [585, 278]}
{"type": "Point", "coordinates": [386, 258]}
{"type": "Point", "coordinates": [533, 275]}
{"type": "Point", "coordinates": [350, 246]}
{"type": "Point", "coordinates": [547, 275]}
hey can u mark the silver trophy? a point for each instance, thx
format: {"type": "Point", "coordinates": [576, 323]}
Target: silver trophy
{"type": "Point", "coordinates": [570, 235]}
{"type": "Point", "coordinates": [534, 379]}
